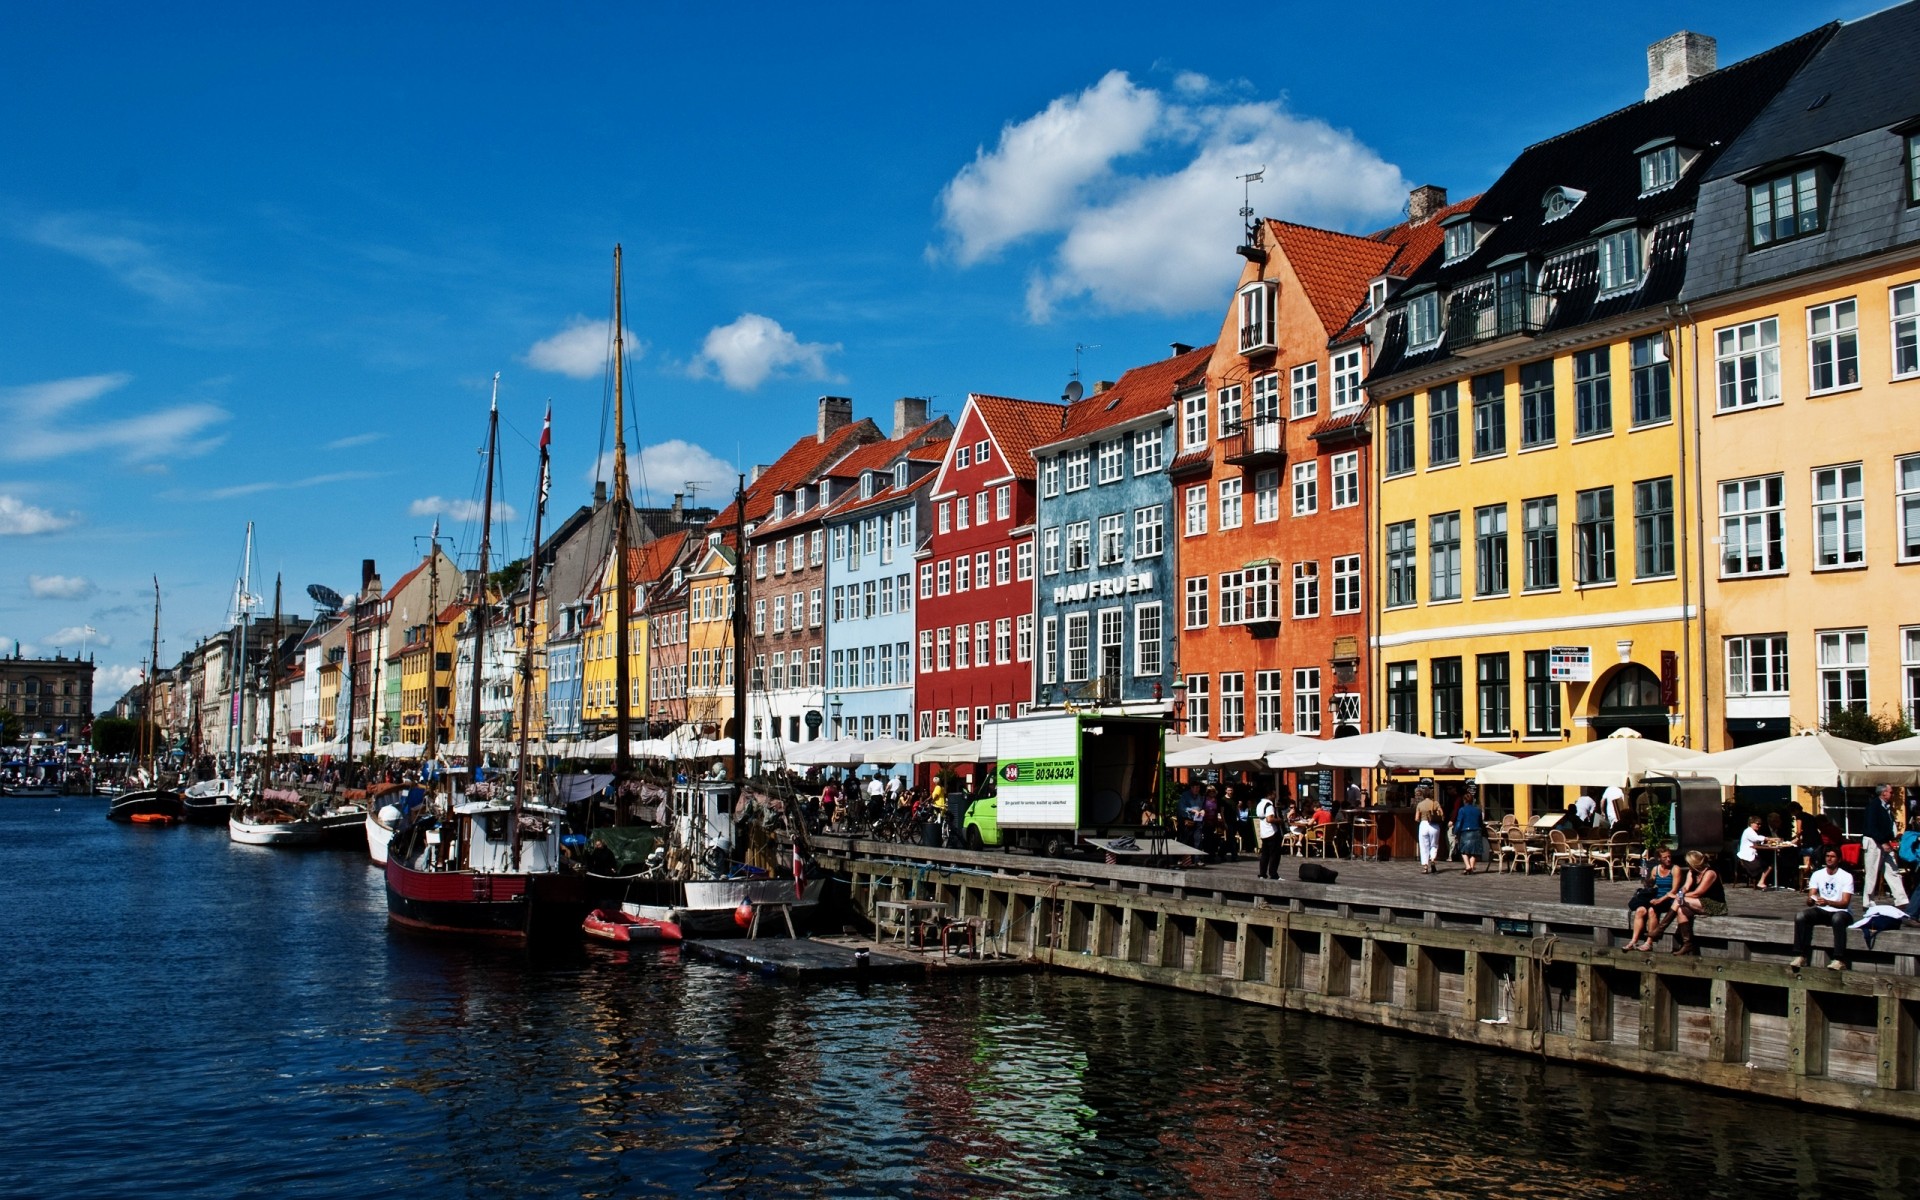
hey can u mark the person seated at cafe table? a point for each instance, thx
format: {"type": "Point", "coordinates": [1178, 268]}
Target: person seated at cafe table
{"type": "Point", "coordinates": [1585, 809]}
{"type": "Point", "coordinates": [1753, 840]}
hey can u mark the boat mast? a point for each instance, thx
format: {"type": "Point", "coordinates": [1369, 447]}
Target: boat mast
{"type": "Point", "coordinates": [480, 600]}
{"type": "Point", "coordinates": [433, 647]}
{"type": "Point", "coordinates": [150, 735]}
{"type": "Point", "coordinates": [238, 719]}
{"type": "Point", "coordinates": [273, 685]}
{"type": "Point", "coordinates": [740, 634]}
{"type": "Point", "coordinates": [533, 602]}
{"type": "Point", "coordinates": [623, 586]}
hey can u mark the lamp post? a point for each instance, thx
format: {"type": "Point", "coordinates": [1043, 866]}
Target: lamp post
{"type": "Point", "coordinates": [835, 705]}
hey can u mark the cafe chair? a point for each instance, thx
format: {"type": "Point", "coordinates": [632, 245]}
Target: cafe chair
{"type": "Point", "coordinates": [1561, 851]}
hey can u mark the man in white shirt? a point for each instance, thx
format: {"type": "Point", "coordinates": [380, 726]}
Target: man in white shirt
{"type": "Point", "coordinates": [1613, 800]}
{"type": "Point", "coordinates": [1751, 840]}
{"type": "Point", "coordinates": [1584, 808]}
{"type": "Point", "coordinates": [1829, 902]}
{"type": "Point", "coordinates": [1266, 815]}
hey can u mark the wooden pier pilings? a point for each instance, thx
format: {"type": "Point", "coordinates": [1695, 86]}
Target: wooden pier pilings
{"type": "Point", "coordinates": [1547, 979]}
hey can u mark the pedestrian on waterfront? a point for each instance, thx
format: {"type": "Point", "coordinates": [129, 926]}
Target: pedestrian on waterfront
{"type": "Point", "coordinates": [1266, 816]}
{"type": "Point", "coordinates": [1879, 861]}
{"type": "Point", "coordinates": [1243, 839]}
{"type": "Point", "coordinates": [1703, 895]}
{"type": "Point", "coordinates": [1652, 906]}
{"type": "Point", "coordinates": [1431, 817]}
{"type": "Point", "coordinates": [1613, 802]}
{"type": "Point", "coordinates": [1829, 902]}
{"type": "Point", "coordinates": [1470, 832]}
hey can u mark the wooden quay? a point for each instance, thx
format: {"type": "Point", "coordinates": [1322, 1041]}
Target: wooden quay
{"type": "Point", "coordinates": [1491, 960]}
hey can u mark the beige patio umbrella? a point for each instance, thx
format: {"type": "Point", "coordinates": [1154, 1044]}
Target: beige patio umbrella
{"type": "Point", "coordinates": [1621, 759]}
{"type": "Point", "coordinates": [1808, 759]}
{"type": "Point", "coordinates": [1389, 749]}
{"type": "Point", "coordinates": [1903, 753]}
{"type": "Point", "coordinates": [1239, 750]}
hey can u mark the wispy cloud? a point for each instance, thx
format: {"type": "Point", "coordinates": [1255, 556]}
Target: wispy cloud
{"type": "Point", "coordinates": [40, 421]}
{"type": "Point", "coordinates": [60, 587]}
{"type": "Point", "coordinates": [580, 350]}
{"type": "Point", "coordinates": [753, 348]}
{"type": "Point", "coordinates": [113, 682]}
{"type": "Point", "coordinates": [358, 439]}
{"type": "Point", "coordinates": [271, 485]}
{"type": "Point", "coordinates": [459, 510]}
{"type": "Point", "coordinates": [126, 251]}
{"type": "Point", "coordinates": [18, 518]}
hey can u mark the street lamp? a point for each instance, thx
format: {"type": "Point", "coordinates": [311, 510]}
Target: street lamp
{"type": "Point", "coordinates": [835, 705]}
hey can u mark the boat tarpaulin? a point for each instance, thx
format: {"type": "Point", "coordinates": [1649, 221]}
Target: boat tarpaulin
{"type": "Point", "coordinates": [574, 788]}
{"type": "Point", "coordinates": [628, 844]}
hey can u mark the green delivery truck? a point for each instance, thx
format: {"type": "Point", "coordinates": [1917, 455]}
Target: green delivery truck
{"type": "Point", "coordinates": [1061, 777]}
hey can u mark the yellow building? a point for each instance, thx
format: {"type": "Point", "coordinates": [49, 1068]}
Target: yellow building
{"type": "Point", "coordinates": [1803, 299]}
{"type": "Point", "coordinates": [415, 676]}
{"type": "Point", "coordinates": [710, 643]}
{"type": "Point", "coordinates": [1532, 552]}
{"type": "Point", "coordinates": [599, 661]}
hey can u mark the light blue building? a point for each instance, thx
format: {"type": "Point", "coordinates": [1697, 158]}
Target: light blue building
{"type": "Point", "coordinates": [872, 535]}
{"type": "Point", "coordinates": [564, 674]}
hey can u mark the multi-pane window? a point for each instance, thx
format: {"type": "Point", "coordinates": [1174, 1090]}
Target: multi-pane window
{"type": "Point", "coordinates": [962, 575]}
{"type": "Point", "coordinates": [1149, 531]}
{"type": "Point", "coordinates": [1076, 468]}
{"type": "Point", "coordinates": [1305, 390]}
{"type": "Point", "coordinates": [1306, 488]}
{"type": "Point", "coordinates": [1757, 665]}
{"type": "Point", "coordinates": [963, 512]}
{"type": "Point", "coordinates": [1443, 555]}
{"type": "Point", "coordinates": [1495, 696]}
{"type": "Point", "coordinates": [1306, 701]}
{"type": "Point", "coordinates": [1049, 649]}
{"type": "Point", "coordinates": [1233, 703]}
{"type": "Point", "coordinates": [1346, 479]}
{"type": "Point", "coordinates": [1833, 345]}
{"type": "Point", "coordinates": [1113, 460]}
{"type": "Point", "coordinates": [982, 639]}
{"type": "Point", "coordinates": [1229, 405]}
{"type": "Point", "coordinates": [1400, 435]}
{"type": "Point", "coordinates": [1593, 536]}
{"type": "Point", "coordinates": [1659, 169]}
{"type": "Point", "coordinates": [1078, 659]}
{"type": "Point", "coordinates": [1049, 550]}
{"type": "Point", "coordinates": [1653, 528]}
{"type": "Point", "coordinates": [1592, 393]}
{"type": "Point", "coordinates": [1197, 593]}
{"type": "Point", "coordinates": [1903, 308]}
{"type": "Point", "coordinates": [1839, 517]}
{"type": "Point", "coordinates": [1785, 207]}
{"type": "Point", "coordinates": [1259, 586]}
{"type": "Point", "coordinates": [945, 643]}
{"type": "Point", "coordinates": [1347, 374]}
{"type": "Point", "coordinates": [1049, 486]}
{"type": "Point", "coordinates": [1266, 397]}
{"type": "Point", "coordinates": [1403, 697]}
{"type": "Point", "coordinates": [1843, 671]}
{"type": "Point", "coordinates": [1489, 414]}
{"type": "Point", "coordinates": [1022, 561]}
{"type": "Point", "coordinates": [1230, 503]}
{"type": "Point", "coordinates": [816, 545]}
{"type": "Point", "coordinates": [1906, 482]}
{"type": "Point", "coordinates": [1148, 643]}
{"type": "Point", "coordinates": [1266, 495]}
{"type": "Point", "coordinates": [1652, 380]}
{"type": "Point", "coordinates": [1910, 671]}
{"type": "Point", "coordinates": [1233, 597]}
{"type": "Point", "coordinates": [1747, 359]}
{"type": "Point", "coordinates": [1423, 319]}
{"type": "Point", "coordinates": [926, 656]}
{"type": "Point", "coordinates": [1536, 404]}
{"type": "Point", "coordinates": [1402, 565]}
{"type": "Point", "coordinates": [1540, 542]}
{"type": "Point", "coordinates": [1543, 696]}
{"type": "Point", "coordinates": [982, 570]}
{"type": "Point", "coordinates": [1003, 566]}
{"type": "Point", "coordinates": [1199, 710]}
{"type": "Point", "coordinates": [962, 646]}
{"type": "Point", "coordinates": [1266, 701]}
{"type": "Point", "coordinates": [1023, 638]}
{"type": "Point", "coordinates": [1753, 526]}
{"type": "Point", "coordinates": [1079, 545]}
{"type": "Point", "coordinates": [1002, 504]}
{"type": "Point", "coordinates": [1620, 260]}
{"type": "Point", "coordinates": [1306, 589]}
{"type": "Point", "coordinates": [1256, 316]}
{"type": "Point", "coordinates": [1490, 550]}
{"type": "Point", "coordinates": [1196, 510]}
{"type": "Point", "coordinates": [1193, 421]}
{"type": "Point", "coordinates": [1443, 425]}
{"type": "Point", "coordinates": [1346, 583]}
{"type": "Point", "coordinates": [1113, 539]}
{"type": "Point", "coordinates": [840, 536]}
{"type": "Point", "coordinates": [1149, 451]}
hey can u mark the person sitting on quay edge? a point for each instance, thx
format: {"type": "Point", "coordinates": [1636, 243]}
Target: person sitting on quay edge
{"type": "Point", "coordinates": [1702, 895]}
{"type": "Point", "coordinates": [1829, 902]}
{"type": "Point", "coordinates": [1752, 867]}
{"type": "Point", "coordinates": [1470, 831]}
{"type": "Point", "coordinates": [1652, 906]}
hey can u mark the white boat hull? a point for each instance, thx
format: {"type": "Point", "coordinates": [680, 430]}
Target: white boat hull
{"type": "Point", "coordinates": [707, 906]}
{"type": "Point", "coordinates": [282, 833]}
{"type": "Point", "coordinates": [379, 837]}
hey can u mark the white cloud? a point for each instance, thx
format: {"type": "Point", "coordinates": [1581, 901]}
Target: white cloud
{"type": "Point", "coordinates": [746, 353]}
{"type": "Point", "coordinates": [110, 683]}
{"type": "Point", "coordinates": [73, 637]}
{"type": "Point", "coordinates": [352, 440]}
{"type": "Point", "coordinates": [20, 518]}
{"type": "Point", "coordinates": [580, 350]}
{"type": "Point", "coordinates": [459, 510]}
{"type": "Point", "coordinates": [656, 472]}
{"type": "Point", "coordinates": [234, 490]}
{"type": "Point", "coordinates": [42, 421]}
{"type": "Point", "coordinates": [122, 251]}
{"type": "Point", "coordinates": [1147, 214]}
{"type": "Point", "coordinates": [60, 587]}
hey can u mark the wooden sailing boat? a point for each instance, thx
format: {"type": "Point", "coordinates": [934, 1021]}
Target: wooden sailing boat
{"type": "Point", "coordinates": [156, 800]}
{"type": "Point", "coordinates": [491, 867]}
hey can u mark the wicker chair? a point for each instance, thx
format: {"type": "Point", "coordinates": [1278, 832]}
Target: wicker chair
{"type": "Point", "coordinates": [1561, 851]}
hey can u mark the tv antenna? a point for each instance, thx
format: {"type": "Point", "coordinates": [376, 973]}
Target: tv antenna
{"type": "Point", "coordinates": [1075, 389]}
{"type": "Point", "coordinates": [1246, 206]}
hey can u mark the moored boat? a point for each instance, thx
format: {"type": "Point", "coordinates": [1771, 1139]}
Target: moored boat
{"type": "Point", "coordinates": [210, 802]}
{"type": "Point", "coordinates": [621, 927]}
{"type": "Point", "coordinates": [146, 800]}
{"type": "Point", "coordinates": [493, 871]}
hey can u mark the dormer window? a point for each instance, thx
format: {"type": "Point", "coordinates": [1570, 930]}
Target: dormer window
{"type": "Point", "coordinates": [1423, 319]}
{"type": "Point", "coordinates": [1621, 261]}
{"type": "Point", "coordinates": [800, 499]}
{"type": "Point", "coordinates": [1256, 317]}
{"type": "Point", "coordinates": [866, 485]}
{"type": "Point", "coordinates": [900, 475]}
{"type": "Point", "coordinates": [779, 505]}
{"type": "Point", "coordinates": [1788, 202]}
{"type": "Point", "coordinates": [1377, 294]}
{"type": "Point", "coordinates": [1463, 236]}
{"type": "Point", "coordinates": [1560, 201]}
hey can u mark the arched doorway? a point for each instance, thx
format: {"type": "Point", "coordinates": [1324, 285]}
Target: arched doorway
{"type": "Point", "coordinates": [1632, 699]}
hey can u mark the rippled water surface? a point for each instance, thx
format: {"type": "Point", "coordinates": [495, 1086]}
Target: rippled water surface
{"type": "Point", "coordinates": [186, 1017]}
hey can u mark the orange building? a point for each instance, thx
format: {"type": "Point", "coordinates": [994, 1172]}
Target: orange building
{"type": "Point", "coordinates": [1269, 479]}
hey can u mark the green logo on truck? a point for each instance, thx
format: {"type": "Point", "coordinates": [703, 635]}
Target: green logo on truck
{"type": "Point", "coordinates": [1031, 772]}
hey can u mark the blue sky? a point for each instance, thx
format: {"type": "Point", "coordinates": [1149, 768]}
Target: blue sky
{"type": "Point", "coordinates": [261, 262]}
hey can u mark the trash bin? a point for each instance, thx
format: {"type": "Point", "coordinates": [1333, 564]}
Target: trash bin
{"type": "Point", "coordinates": [930, 836]}
{"type": "Point", "coordinates": [1576, 884]}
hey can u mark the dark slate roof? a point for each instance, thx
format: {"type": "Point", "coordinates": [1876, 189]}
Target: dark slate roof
{"type": "Point", "coordinates": [1845, 102]}
{"type": "Point", "coordinates": [1600, 159]}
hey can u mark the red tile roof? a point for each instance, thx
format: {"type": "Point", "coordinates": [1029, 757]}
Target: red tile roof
{"type": "Point", "coordinates": [852, 502]}
{"type": "Point", "coordinates": [1333, 268]}
{"type": "Point", "coordinates": [802, 461]}
{"type": "Point", "coordinates": [875, 455]}
{"type": "Point", "coordinates": [653, 560]}
{"type": "Point", "coordinates": [1018, 426]}
{"type": "Point", "coordinates": [1140, 391]}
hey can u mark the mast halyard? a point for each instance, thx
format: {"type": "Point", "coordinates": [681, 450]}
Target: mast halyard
{"type": "Point", "coordinates": [433, 647]}
{"type": "Point", "coordinates": [150, 732]}
{"type": "Point", "coordinates": [480, 599]}
{"type": "Point", "coordinates": [273, 686]}
{"type": "Point", "coordinates": [623, 586]}
{"type": "Point", "coordinates": [243, 601]}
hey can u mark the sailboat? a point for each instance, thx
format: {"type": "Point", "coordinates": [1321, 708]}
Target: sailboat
{"type": "Point", "coordinates": [155, 801]}
{"type": "Point", "coordinates": [488, 868]}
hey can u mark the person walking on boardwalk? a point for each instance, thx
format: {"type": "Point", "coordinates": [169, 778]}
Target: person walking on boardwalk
{"type": "Point", "coordinates": [1267, 824]}
{"type": "Point", "coordinates": [1470, 831]}
{"type": "Point", "coordinates": [1829, 902]}
{"type": "Point", "coordinates": [1878, 842]}
{"type": "Point", "coordinates": [1431, 817]}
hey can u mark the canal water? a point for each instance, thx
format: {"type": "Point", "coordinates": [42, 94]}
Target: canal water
{"type": "Point", "coordinates": [187, 1017]}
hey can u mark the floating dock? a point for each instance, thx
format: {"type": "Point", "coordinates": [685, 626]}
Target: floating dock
{"type": "Point", "coordinates": [848, 957]}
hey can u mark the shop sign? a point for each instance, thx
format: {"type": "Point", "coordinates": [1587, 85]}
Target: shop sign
{"type": "Point", "coordinates": [1570, 664]}
{"type": "Point", "coordinates": [1101, 589]}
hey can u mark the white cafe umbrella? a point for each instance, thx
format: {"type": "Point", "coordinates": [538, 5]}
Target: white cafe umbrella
{"type": "Point", "coordinates": [1808, 759]}
{"type": "Point", "coordinates": [1239, 750]}
{"type": "Point", "coordinates": [1621, 759]}
{"type": "Point", "coordinates": [946, 750]}
{"type": "Point", "coordinates": [1903, 753]}
{"type": "Point", "coordinates": [1176, 742]}
{"type": "Point", "coordinates": [404, 750]}
{"type": "Point", "coordinates": [1387, 748]}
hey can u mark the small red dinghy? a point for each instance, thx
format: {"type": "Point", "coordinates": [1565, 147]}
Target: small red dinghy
{"type": "Point", "coordinates": [154, 818]}
{"type": "Point", "coordinates": [623, 929]}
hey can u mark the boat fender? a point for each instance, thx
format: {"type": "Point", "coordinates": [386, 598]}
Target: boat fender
{"type": "Point", "coordinates": [389, 815]}
{"type": "Point", "coordinates": [743, 916]}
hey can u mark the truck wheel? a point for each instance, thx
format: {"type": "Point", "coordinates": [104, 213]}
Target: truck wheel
{"type": "Point", "coordinates": [1056, 848]}
{"type": "Point", "coordinates": [973, 838]}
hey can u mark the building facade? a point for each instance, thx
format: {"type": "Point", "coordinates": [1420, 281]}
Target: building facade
{"type": "Point", "coordinates": [51, 697]}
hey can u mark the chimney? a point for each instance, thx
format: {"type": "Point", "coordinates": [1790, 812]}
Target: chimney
{"type": "Point", "coordinates": [909, 413]}
{"type": "Point", "coordinates": [1675, 62]}
{"type": "Point", "coordinates": [760, 469]}
{"type": "Point", "coordinates": [678, 514]}
{"type": "Point", "coordinates": [835, 411]}
{"type": "Point", "coordinates": [1424, 201]}
{"type": "Point", "coordinates": [1102, 385]}
{"type": "Point", "coordinates": [367, 574]}
{"type": "Point", "coordinates": [1179, 348]}
{"type": "Point", "coordinates": [599, 492]}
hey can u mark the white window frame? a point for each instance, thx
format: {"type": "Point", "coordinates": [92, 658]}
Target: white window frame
{"type": "Point", "coordinates": [1903, 329]}
{"type": "Point", "coordinates": [1906, 502]}
{"type": "Point", "coordinates": [1910, 671]}
{"type": "Point", "coordinates": [1149, 640]}
{"type": "Point", "coordinates": [1306, 589]}
{"type": "Point", "coordinates": [1050, 650]}
{"type": "Point", "coordinates": [1198, 593]}
{"type": "Point", "coordinates": [1199, 708]}
{"type": "Point", "coordinates": [1306, 488]}
{"type": "Point", "coordinates": [1050, 550]}
{"type": "Point", "coordinates": [1196, 511]}
{"type": "Point", "coordinates": [1079, 647]}
{"type": "Point", "coordinates": [1839, 504]}
{"type": "Point", "coordinates": [1842, 656]}
{"type": "Point", "coordinates": [1150, 531]}
{"type": "Point", "coordinates": [1256, 316]}
{"type": "Point", "coordinates": [1002, 565]}
{"type": "Point", "coordinates": [1023, 560]}
{"type": "Point", "coordinates": [1079, 538]}
{"type": "Point", "coordinates": [1049, 486]}
{"type": "Point", "coordinates": [1266, 495]}
{"type": "Point", "coordinates": [1753, 511]}
{"type": "Point", "coordinates": [1747, 365]}
{"type": "Point", "coordinates": [1621, 261]}
{"type": "Point", "coordinates": [1149, 450]}
{"type": "Point", "coordinates": [1304, 390]}
{"type": "Point", "coordinates": [1348, 370]}
{"type": "Point", "coordinates": [1306, 701]}
{"type": "Point", "coordinates": [1346, 584]}
{"type": "Point", "coordinates": [1269, 701]}
{"type": "Point", "coordinates": [1023, 637]}
{"type": "Point", "coordinates": [1743, 651]}
{"type": "Point", "coordinates": [1112, 466]}
{"type": "Point", "coordinates": [1833, 347]}
{"type": "Point", "coordinates": [1230, 503]}
{"type": "Point", "coordinates": [1078, 466]}
{"type": "Point", "coordinates": [1233, 704]}
{"type": "Point", "coordinates": [1193, 421]}
{"type": "Point", "coordinates": [1229, 409]}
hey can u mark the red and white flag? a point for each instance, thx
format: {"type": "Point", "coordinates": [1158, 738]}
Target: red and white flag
{"type": "Point", "coordinates": [799, 874]}
{"type": "Point", "coordinates": [546, 440]}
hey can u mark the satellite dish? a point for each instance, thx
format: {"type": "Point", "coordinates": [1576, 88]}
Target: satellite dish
{"type": "Point", "coordinates": [325, 597]}
{"type": "Point", "coordinates": [1074, 391]}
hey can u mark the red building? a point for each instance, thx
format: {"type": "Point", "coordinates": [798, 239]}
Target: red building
{"type": "Point", "coordinates": [974, 635]}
